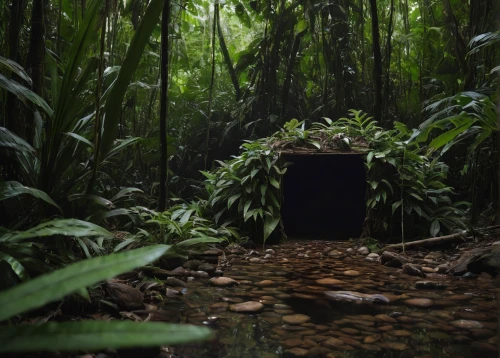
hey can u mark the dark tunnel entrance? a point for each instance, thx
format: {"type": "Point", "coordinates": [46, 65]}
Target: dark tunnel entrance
{"type": "Point", "coordinates": [324, 196]}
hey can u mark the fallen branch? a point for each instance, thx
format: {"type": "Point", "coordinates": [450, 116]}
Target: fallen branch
{"type": "Point", "coordinates": [463, 235]}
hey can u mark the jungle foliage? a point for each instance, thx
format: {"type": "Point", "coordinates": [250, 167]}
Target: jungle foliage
{"type": "Point", "coordinates": [105, 105]}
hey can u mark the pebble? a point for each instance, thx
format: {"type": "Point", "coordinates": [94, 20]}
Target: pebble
{"type": "Point", "coordinates": [332, 343]}
{"type": "Point", "coordinates": [352, 273]}
{"type": "Point", "coordinates": [420, 302]}
{"type": "Point", "coordinates": [246, 307]}
{"type": "Point", "coordinates": [296, 319]}
{"type": "Point", "coordinates": [330, 282]}
{"type": "Point", "coordinates": [363, 250]}
{"type": "Point", "coordinates": [222, 282]}
{"type": "Point", "coordinates": [466, 324]}
{"type": "Point", "coordinates": [297, 352]}
{"type": "Point", "coordinates": [385, 318]}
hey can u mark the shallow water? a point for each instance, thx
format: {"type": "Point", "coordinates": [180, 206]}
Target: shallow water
{"type": "Point", "coordinates": [460, 320]}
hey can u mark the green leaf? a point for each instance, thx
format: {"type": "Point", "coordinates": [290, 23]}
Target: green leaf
{"type": "Point", "coordinates": [65, 227]}
{"type": "Point", "coordinates": [232, 199]}
{"type": "Point", "coordinates": [11, 189]}
{"type": "Point", "coordinates": [24, 94]}
{"type": "Point", "coordinates": [113, 106]}
{"type": "Point", "coordinates": [55, 285]}
{"type": "Point", "coordinates": [274, 182]}
{"type": "Point", "coordinates": [96, 335]}
{"type": "Point", "coordinates": [448, 136]}
{"type": "Point", "coordinates": [202, 239]}
{"type": "Point", "coordinates": [269, 225]}
{"type": "Point", "coordinates": [435, 227]}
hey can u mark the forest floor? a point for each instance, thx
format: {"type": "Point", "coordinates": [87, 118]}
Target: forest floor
{"type": "Point", "coordinates": [307, 299]}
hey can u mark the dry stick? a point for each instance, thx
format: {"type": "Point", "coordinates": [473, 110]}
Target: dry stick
{"type": "Point", "coordinates": [464, 235]}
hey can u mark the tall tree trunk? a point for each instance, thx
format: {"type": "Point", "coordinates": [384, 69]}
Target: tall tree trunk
{"type": "Point", "coordinates": [97, 123]}
{"type": "Point", "coordinates": [211, 89]}
{"type": "Point", "coordinates": [13, 122]}
{"type": "Point", "coordinates": [165, 20]}
{"type": "Point", "coordinates": [289, 71]}
{"type": "Point", "coordinates": [377, 66]}
{"type": "Point", "coordinates": [388, 53]}
{"type": "Point", "coordinates": [36, 54]}
{"type": "Point", "coordinates": [227, 58]}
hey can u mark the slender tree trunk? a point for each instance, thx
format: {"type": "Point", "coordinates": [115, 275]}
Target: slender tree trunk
{"type": "Point", "coordinates": [165, 20]}
{"type": "Point", "coordinates": [377, 66]}
{"type": "Point", "coordinates": [497, 166]}
{"type": "Point", "coordinates": [227, 58]}
{"type": "Point", "coordinates": [36, 55]}
{"type": "Point", "coordinates": [289, 71]}
{"type": "Point", "coordinates": [97, 123]}
{"type": "Point", "coordinates": [211, 89]}
{"type": "Point", "coordinates": [13, 122]}
{"type": "Point", "coordinates": [388, 53]}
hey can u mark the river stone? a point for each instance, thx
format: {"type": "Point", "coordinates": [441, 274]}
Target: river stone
{"type": "Point", "coordinates": [265, 283]}
{"type": "Point", "coordinates": [372, 339]}
{"type": "Point", "coordinates": [350, 251]}
{"type": "Point", "coordinates": [332, 343]}
{"type": "Point", "coordinates": [363, 250]}
{"type": "Point", "coordinates": [222, 282]}
{"type": "Point", "coordinates": [420, 302]}
{"type": "Point", "coordinates": [413, 270]}
{"type": "Point", "coordinates": [352, 273]}
{"type": "Point", "coordinates": [206, 267]}
{"type": "Point", "coordinates": [296, 319]}
{"type": "Point", "coordinates": [391, 259]}
{"type": "Point", "coordinates": [355, 296]}
{"type": "Point", "coordinates": [373, 257]}
{"type": "Point", "coordinates": [370, 347]}
{"type": "Point", "coordinates": [192, 264]}
{"type": "Point", "coordinates": [292, 342]}
{"type": "Point", "coordinates": [385, 318]}
{"type": "Point", "coordinates": [330, 282]}
{"type": "Point", "coordinates": [394, 346]}
{"type": "Point", "coordinates": [401, 333]}
{"type": "Point", "coordinates": [247, 307]}
{"type": "Point", "coordinates": [297, 352]}
{"type": "Point", "coordinates": [466, 324]}
{"type": "Point", "coordinates": [430, 285]}
{"type": "Point", "coordinates": [125, 296]}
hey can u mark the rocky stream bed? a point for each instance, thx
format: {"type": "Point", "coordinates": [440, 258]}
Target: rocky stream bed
{"type": "Point", "coordinates": [313, 299]}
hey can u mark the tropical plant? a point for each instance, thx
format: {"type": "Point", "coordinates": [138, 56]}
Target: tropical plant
{"type": "Point", "coordinates": [84, 335]}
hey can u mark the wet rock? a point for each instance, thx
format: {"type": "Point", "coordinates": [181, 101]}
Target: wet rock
{"type": "Point", "coordinates": [296, 352]}
{"type": "Point", "coordinates": [172, 293]}
{"type": "Point", "coordinates": [373, 257]}
{"type": "Point", "coordinates": [370, 347]}
{"type": "Point", "coordinates": [363, 250]}
{"type": "Point", "coordinates": [247, 307]}
{"type": "Point", "coordinates": [201, 274]}
{"type": "Point", "coordinates": [192, 264]}
{"type": "Point", "coordinates": [420, 302]}
{"type": "Point", "coordinates": [317, 352]}
{"type": "Point", "coordinates": [254, 260]}
{"type": "Point", "coordinates": [466, 324]}
{"type": "Point", "coordinates": [219, 307]}
{"type": "Point", "coordinates": [355, 296]}
{"type": "Point", "coordinates": [394, 346]}
{"type": "Point", "coordinates": [222, 282]}
{"type": "Point", "coordinates": [175, 282]}
{"type": "Point", "coordinates": [443, 268]}
{"type": "Point", "coordinates": [332, 343]}
{"type": "Point", "coordinates": [428, 269]}
{"type": "Point", "coordinates": [372, 339]}
{"type": "Point", "coordinates": [334, 253]}
{"type": "Point", "coordinates": [268, 256]}
{"type": "Point", "coordinates": [385, 318]}
{"type": "Point", "coordinates": [413, 270]}
{"type": "Point", "coordinates": [292, 342]}
{"type": "Point", "coordinates": [209, 268]}
{"type": "Point", "coordinates": [295, 319]}
{"type": "Point", "coordinates": [180, 271]}
{"type": "Point", "coordinates": [350, 251]}
{"type": "Point", "coordinates": [352, 273]}
{"type": "Point", "coordinates": [265, 283]}
{"type": "Point", "coordinates": [401, 333]}
{"type": "Point", "coordinates": [430, 285]}
{"type": "Point", "coordinates": [391, 259]}
{"type": "Point", "coordinates": [269, 251]}
{"type": "Point", "coordinates": [330, 282]}
{"type": "Point", "coordinates": [125, 296]}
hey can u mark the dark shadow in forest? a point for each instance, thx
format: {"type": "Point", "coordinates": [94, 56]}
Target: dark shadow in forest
{"type": "Point", "coordinates": [324, 196]}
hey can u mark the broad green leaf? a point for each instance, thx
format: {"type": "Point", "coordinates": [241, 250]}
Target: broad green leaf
{"type": "Point", "coordinates": [64, 227]}
{"type": "Point", "coordinates": [274, 182]}
{"type": "Point", "coordinates": [232, 199]}
{"type": "Point", "coordinates": [448, 136]}
{"type": "Point", "coordinates": [24, 94]}
{"type": "Point", "coordinates": [10, 189]}
{"type": "Point", "coordinates": [96, 335]}
{"type": "Point", "coordinates": [114, 101]}
{"type": "Point", "coordinates": [435, 227]}
{"type": "Point", "coordinates": [269, 225]}
{"type": "Point", "coordinates": [203, 239]}
{"type": "Point", "coordinates": [55, 285]}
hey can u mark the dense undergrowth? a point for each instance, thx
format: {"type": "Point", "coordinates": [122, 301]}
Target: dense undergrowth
{"type": "Point", "coordinates": [80, 137]}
